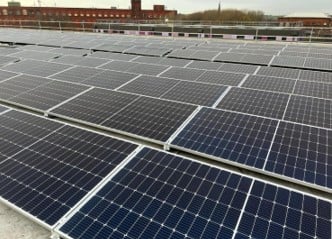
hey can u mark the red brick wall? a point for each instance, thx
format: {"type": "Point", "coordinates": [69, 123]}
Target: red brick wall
{"type": "Point", "coordinates": [78, 14]}
{"type": "Point", "coordinates": [307, 22]}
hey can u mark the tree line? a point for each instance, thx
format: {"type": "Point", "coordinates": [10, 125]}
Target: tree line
{"type": "Point", "coordinates": [223, 15]}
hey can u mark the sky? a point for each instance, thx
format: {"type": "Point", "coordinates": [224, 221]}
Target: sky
{"type": "Point", "coordinates": [275, 7]}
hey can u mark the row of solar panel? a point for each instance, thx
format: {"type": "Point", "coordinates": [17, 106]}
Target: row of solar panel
{"type": "Point", "coordinates": [260, 54]}
{"type": "Point", "coordinates": [237, 137]}
{"type": "Point", "coordinates": [43, 37]}
{"type": "Point", "coordinates": [97, 42]}
{"type": "Point", "coordinates": [89, 185]}
{"type": "Point", "coordinates": [69, 39]}
{"type": "Point", "coordinates": [158, 120]}
{"type": "Point", "coordinates": [258, 100]}
{"type": "Point", "coordinates": [102, 58]}
{"type": "Point", "coordinates": [316, 84]}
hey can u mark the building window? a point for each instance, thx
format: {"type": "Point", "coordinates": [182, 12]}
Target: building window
{"type": "Point", "coordinates": [128, 16]}
{"type": "Point", "coordinates": [117, 15]}
{"type": "Point", "coordinates": [94, 15]}
{"type": "Point", "coordinates": [24, 12]}
{"type": "Point", "coordinates": [18, 12]}
{"type": "Point", "coordinates": [69, 14]}
{"type": "Point", "coordinates": [5, 12]}
{"type": "Point", "coordinates": [105, 15]}
{"type": "Point", "coordinates": [88, 14]}
{"type": "Point", "coordinates": [123, 16]}
{"type": "Point", "coordinates": [75, 14]}
{"type": "Point", "coordinates": [111, 15]}
{"type": "Point", "coordinates": [82, 15]}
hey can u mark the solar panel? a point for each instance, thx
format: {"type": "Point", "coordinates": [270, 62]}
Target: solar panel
{"type": "Point", "coordinates": [205, 65]}
{"type": "Point", "coordinates": [162, 61]}
{"type": "Point", "coordinates": [149, 86]}
{"type": "Point", "coordinates": [150, 118]}
{"type": "Point", "coordinates": [289, 61]}
{"type": "Point", "coordinates": [204, 55]}
{"type": "Point", "coordinates": [320, 55]}
{"type": "Point", "coordinates": [181, 53]}
{"type": "Point", "coordinates": [229, 57]}
{"type": "Point", "coordinates": [48, 95]}
{"type": "Point", "coordinates": [70, 51]}
{"type": "Point", "coordinates": [77, 74]}
{"type": "Point", "coordinates": [20, 84]}
{"type": "Point", "coordinates": [293, 53]}
{"type": "Point", "coordinates": [276, 212]}
{"type": "Point", "coordinates": [311, 111]}
{"type": "Point", "coordinates": [238, 68]}
{"type": "Point", "coordinates": [159, 195]}
{"type": "Point", "coordinates": [147, 59]}
{"type": "Point", "coordinates": [236, 138]}
{"type": "Point", "coordinates": [47, 179]}
{"type": "Point", "coordinates": [320, 64]}
{"type": "Point", "coordinates": [195, 93]}
{"type": "Point", "coordinates": [95, 106]}
{"type": "Point", "coordinates": [183, 73]}
{"type": "Point", "coordinates": [2, 109]}
{"type": "Point", "coordinates": [119, 65]}
{"type": "Point", "coordinates": [317, 76]}
{"type": "Point", "coordinates": [261, 103]}
{"type": "Point", "coordinates": [109, 79]}
{"type": "Point", "coordinates": [279, 72]}
{"type": "Point", "coordinates": [38, 68]}
{"type": "Point", "coordinates": [147, 69]}
{"type": "Point", "coordinates": [81, 61]}
{"type": "Point", "coordinates": [257, 59]}
{"type": "Point", "coordinates": [36, 48]}
{"type": "Point", "coordinates": [270, 83]}
{"type": "Point", "coordinates": [19, 130]}
{"type": "Point", "coordinates": [35, 55]}
{"type": "Point", "coordinates": [224, 78]}
{"type": "Point", "coordinates": [4, 60]}
{"type": "Point", "coordinates": [314, 89]}
{"type": "Point", "coordinates": [255, 51]}
{"type": "Point", "coordinates": [8, 50]}
{"type": "Point", "coordinates": [113, 56]}
{"type": "Point", "coordinates": [148, 51]}
{"type": "Point", "coordinates": [111, 47]}
{"type": "Point", "coordinates": [302, 153]}
{"type": "Point", "coordinates": [5, 75]}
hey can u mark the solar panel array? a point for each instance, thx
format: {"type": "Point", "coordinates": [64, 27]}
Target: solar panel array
{"type": "Point", "coordinates": [271, 120]}
{"type": "Point", "coordinates": [158, 195]}
{"type": "Point", "coordinates": [55, 165]}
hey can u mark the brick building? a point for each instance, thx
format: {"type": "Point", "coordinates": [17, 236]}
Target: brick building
{"type": "Point", "coordinates": [306, 20]}
{"type": "Point", "coordinates": [18, 12]}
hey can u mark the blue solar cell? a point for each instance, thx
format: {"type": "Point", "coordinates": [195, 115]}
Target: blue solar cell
{"type": "Point", "coordinates": [170, 207]}
{"type": "Point", "coordinates": [2, 108]}
{"type": "Point", "coordinates": [302, 153]}
{"type": "Point", "coordinates": [274, 212]}
{"type": "Point", "coordinates": [236, 137]}
{"type": "Point", "coordinates": [47, 178]}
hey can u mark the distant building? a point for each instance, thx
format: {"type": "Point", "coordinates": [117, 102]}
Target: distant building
{"type": "Point", "coordinates": [306, 20]}
{"type": "Point", "coordinates": [18, 12]}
